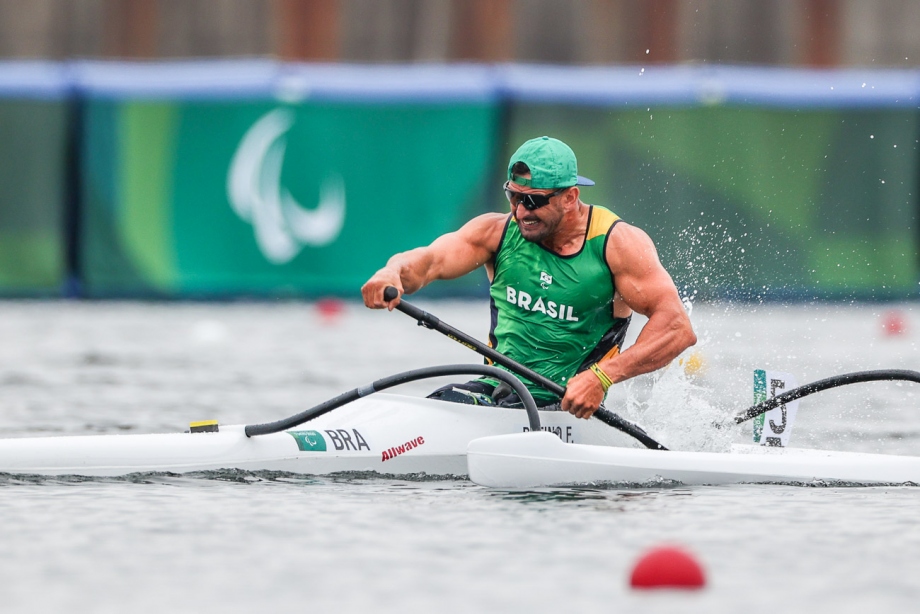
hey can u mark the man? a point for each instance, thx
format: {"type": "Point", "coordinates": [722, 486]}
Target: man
{"type": "Point", "coordinates": [565, 279]}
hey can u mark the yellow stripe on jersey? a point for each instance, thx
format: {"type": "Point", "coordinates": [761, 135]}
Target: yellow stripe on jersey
{"type": "Point", "coordinates": [601, 221]}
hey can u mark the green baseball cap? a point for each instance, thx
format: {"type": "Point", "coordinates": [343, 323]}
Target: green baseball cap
{"type": "Point", "coordinates": [551, 162]}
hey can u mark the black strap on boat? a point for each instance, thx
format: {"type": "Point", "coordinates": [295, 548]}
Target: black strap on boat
{"type": "Point", "coordinates": [530, 405]}
{"type": "Point", "coordinates": [824, 384]}
{"type": "Point", "coordinates": [429, 321]}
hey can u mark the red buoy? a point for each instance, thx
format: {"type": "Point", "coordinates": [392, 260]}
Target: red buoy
{"type": "Point", "coordinates": [330, 309]}
{"type": "Point", "coordinates": [893, 323]}
{"type": "Point", "coordinates": [667, 567]}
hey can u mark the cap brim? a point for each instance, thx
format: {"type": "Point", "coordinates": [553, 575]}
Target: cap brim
{"type": "Point", "coordinates": [583, 181]}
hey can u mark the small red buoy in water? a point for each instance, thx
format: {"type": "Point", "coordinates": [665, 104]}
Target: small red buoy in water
{"type": "Point", "coordinates": [893, 323]}
{"type": "Point", "coordinates": [330, 308]}
{"type": "Point", "coordinates": [667, 567]}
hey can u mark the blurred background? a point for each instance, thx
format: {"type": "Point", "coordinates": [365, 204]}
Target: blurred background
{"type": "Point", "coordinates": [824, 33]}
{"type": "Point", "coordinates": [286, 148]}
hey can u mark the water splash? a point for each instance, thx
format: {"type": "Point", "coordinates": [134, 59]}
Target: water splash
{"type": "Point", "coordinates": [709, 259]}
{"type": "Point", "coordinates": [678, 409]}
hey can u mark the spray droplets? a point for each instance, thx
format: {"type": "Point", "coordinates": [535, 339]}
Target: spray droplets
{"type": "Point", "coordinates": [699, 258]}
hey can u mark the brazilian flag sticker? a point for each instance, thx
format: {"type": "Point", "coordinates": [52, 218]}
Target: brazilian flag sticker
{"type": "Point", "coordinates": [309, 441]}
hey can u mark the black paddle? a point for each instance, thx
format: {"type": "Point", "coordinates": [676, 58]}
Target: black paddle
{"type": "Point", "coordinates": [429, 321]}
{"type": "Point", "coordinates": [824, 384]}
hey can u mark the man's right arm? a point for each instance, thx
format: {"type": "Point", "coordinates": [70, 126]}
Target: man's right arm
{"type": "Point", "coordinates": [449, 256]}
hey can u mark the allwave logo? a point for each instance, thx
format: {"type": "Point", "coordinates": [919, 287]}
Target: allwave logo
{"type": "Point", "coordinates": [394, 452]}
{"type": "Point", "coordinates": [282, 225]}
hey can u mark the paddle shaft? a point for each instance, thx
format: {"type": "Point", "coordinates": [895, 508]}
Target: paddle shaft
{"type": "Point", "coordinates": [824, 384]}
{"type": "Point", "coordinates": [430, 321]}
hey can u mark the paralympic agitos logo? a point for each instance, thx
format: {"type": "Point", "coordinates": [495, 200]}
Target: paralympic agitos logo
{"type": "Point", "coordinates": [282, 226]}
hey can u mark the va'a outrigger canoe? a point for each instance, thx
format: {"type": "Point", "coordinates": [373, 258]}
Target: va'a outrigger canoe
{"type": "Point", "coordinates": [502, 447]}
{"type": "Point", "coordinates": [399, 435]}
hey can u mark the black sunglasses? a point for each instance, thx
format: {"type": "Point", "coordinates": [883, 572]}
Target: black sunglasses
{"type": "Point", "coordinates": [530, 201]}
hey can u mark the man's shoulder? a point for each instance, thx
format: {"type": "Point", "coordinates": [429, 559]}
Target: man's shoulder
{"type": "Point", "coordinates": [492, 218]}
{"type": "Point", "coordinates": [488, 222]}
{"type": "Point", "coordinates": [628, 245]}
{"type": "Point", "coordinates": [628, 233]}
{"type": "Point", "coordinates": [486, 229]}
{"type": "Point", "coordinates": [629, 228]}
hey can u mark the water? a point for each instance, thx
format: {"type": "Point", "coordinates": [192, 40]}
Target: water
{"type": "Point", "coordinates": [244, 542]}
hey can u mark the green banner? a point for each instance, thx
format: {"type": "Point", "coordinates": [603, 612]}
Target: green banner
{"type": "Point", "coordinates": [210, 198]}
{"type": "Point", "coordinates": [755, 202]}
{"type": "Point", "coordinates": [33, 137]}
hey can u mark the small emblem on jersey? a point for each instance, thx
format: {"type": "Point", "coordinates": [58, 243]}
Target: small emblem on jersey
{"type": "Point", "coordinates": [545, 279]}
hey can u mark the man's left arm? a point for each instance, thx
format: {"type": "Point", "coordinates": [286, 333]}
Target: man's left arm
{"type": "Point", "coordinates": [647, 288]}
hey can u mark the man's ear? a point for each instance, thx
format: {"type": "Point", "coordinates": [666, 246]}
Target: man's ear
{"type": "Point", "coordinates": [572, 194]}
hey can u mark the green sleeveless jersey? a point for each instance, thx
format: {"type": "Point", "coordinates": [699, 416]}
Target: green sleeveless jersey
{"type": "Point", "coordinates": [552, 312]}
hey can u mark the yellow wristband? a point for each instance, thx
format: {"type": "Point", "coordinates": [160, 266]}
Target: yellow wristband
{"type": "Point", "coordinates": [606, 382]}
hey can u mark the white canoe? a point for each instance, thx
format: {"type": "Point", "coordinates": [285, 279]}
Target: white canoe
{"type": "Point", "coordinates": [538, 459]}
{"type": "Point", "coordinates": [388, 434]}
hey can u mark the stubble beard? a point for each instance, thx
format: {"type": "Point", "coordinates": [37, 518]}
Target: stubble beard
{"type": "Point", "coordinates": [540, 231]}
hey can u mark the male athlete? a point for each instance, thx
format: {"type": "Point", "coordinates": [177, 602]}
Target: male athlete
{"type": "Point", "coordinates": [565, 279]}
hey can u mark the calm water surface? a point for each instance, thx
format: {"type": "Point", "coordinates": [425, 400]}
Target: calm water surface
{"type": "Point", "coordinates": [237, 542]}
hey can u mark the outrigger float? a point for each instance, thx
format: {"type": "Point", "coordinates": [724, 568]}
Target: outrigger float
{"type": "Point", "coordinates": [495, 446]}
{"type": "Point", "coordinates": [511, 461]}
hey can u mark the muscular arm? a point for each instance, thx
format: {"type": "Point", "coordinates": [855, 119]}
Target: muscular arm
{"type": "Point", "coordinates": [645, 286]}
{"type": "Point", "coordinates": [449, 256]}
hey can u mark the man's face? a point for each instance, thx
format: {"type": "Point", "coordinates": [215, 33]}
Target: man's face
{"type": "Point", "coordinates": [538, 224]}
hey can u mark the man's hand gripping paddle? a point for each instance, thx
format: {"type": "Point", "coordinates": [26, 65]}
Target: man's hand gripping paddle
{"type": "Point", "coordinates": [429, 321]}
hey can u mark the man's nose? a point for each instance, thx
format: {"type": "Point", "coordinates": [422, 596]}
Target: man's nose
{"type": "Point", "coordinates": [520, 205]}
